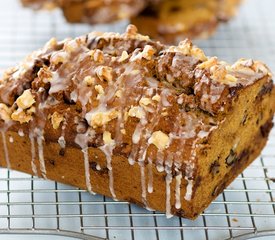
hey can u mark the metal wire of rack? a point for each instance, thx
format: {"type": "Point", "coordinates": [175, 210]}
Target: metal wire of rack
{"type": "Point", "coordinates": [29, 205]}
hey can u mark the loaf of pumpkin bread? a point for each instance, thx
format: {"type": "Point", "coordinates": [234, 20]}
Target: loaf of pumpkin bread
{"type": "Point", "coordinates": [164, 127]}
{"type": "Point", "coordinates": [91, 11]}
{"type": "Point", "coordinates": [166, 20]}
{"type": "Point", "coordinates": [171, 21]}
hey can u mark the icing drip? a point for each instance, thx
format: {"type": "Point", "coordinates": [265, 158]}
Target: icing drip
{"type": "Point", "coordinates": [11, 139]}
{"type": "Point", "coordinates": [178, 188]}
{"type": "Point", "coordinates": [160, 161]}
{"type": "Point", "coordinates": [87, 169]}
{"type": "Point", "coordinates": [143, 183]}
{"type": "Point", "coordinates": [189, 189]}
{"type": "Point", "coordinates": [142, 177]}
{"type": "Point", "coordinates": [40, 139]}
{"type": "Point", "coordinates": [150, 176]}
{"type": "Point", "coordinates": [107, 149]}
{"type": "Point", "coordinates": [188, 178]}
{"type": "Point", "coordinates": [82, 141]}
{"type": "Point", "coordinates": [168, 180]}
{"type": "Point", "coordinates": [34, 169]}
{"type": "Point", "coordinates": [5, 149]}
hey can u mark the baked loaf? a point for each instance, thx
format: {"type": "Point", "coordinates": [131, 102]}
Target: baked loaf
{"type": "Point", "coordinates": [91, 11]}
{"type": "Point", "coordinates": [167, 20]}
{"type": "Point", "coordinates": [121, 115]}
{"type": "Point", "coordinates": [171, 21]}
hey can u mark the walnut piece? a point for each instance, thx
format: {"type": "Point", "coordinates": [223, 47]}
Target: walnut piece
{"type": "Point", "coordinates": [99, 119]}
{"type": "Point", "coordinates": [97, 55]}
{"type": "Point", "coordinates": [159, 139]}
{"type": "Point", "coordinates": [21, 116]}
{"type": "Point", "coordinates": [107, 138]}
{"type": "Point", "coordinates": [148, 52]}
{"type": "Point", "coordinates": [156, 98]}
{"type": "Point", "coordinates": [89, 80]}
{"type": "Point", "coordinates": [5, 112]}
{"type": "Point", "coordinates": [137, 112]}
{"type": "Point", "coordinates": [124, 56]}
{"type": "Point", "coordinates": [56, 119]}
{"type": "Point", "coordinates": [104, 73]}
{"type": "Point", "coordinates": [144, 101]}
{"type": "Point", "coordinates": [99, 90]}
{"type": "Point", "coordinates": [26, 100]}
{"type": "Point", "coordinates": [187, 48]}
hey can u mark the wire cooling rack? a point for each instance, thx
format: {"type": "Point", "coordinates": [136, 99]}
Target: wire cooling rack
{"type": "Point", "coordinates": [31, 205]}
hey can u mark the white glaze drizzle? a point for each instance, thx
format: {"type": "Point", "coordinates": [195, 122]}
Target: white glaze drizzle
{"type": "Point", "coordinates": [177, 190]}
{"type": "Point", "coordinates": [168, 181]}
{"type": "Point", "coordinates": [189, 175]}
{"type": "Point", "coordinates": [82, 141]}
{"type": "Point", "coordinates": [6, 152]}
{"type": "Point", "coordinates": [150, 186]}
{"type": "Point", "coordinates": [107, 149]}
{"type": "Point", "coordinates": [11, 140]}
{"type": "Point", "coordinates": [87, 169]}
{"type": "Point", "coordinates": [33, 166]}
{"type": "Point", "coordinates": [40, 138]}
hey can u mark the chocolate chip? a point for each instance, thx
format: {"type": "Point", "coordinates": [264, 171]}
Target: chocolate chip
{"type": "Point", "coordinates": [266, 89]}
{"type": "Point", "coordinates": [62, 152]}
{"type": "Point", "coordinates": [265, 129]}
{"type": "Point", "coordinates": [67, 98]}
{"type": "Point", "coordinates": [52, 162]}
{"type": "Point", "coordinates": [93, 166]}
{"type": "Point", "coordinates": [101, 171]}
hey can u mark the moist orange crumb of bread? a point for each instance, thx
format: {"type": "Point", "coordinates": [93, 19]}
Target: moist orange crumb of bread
{"type": "Point", "coordinates": [161, 126]}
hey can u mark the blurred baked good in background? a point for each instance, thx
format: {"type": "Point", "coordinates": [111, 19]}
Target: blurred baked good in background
{"type": "Point", "coordinates": [167, 20]}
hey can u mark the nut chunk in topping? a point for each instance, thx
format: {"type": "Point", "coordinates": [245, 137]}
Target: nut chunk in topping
{"type": "Point", "coordinates": [99, 119]}
{"type": "Point", "coordinates": [160, 140]}
{"type": "Point", "coordinates": [107, 138]}
{"type": "Point", "coordinates": [5, 112]}
{"type": "Point", "coordinates": [137, 112]}
{"type": "Point", "coordinates": [26, 100]}
{"type": "Point", "coordinates": [56, 119]}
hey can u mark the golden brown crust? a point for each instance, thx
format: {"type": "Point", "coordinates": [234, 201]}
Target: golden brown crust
{"type": "Point", "coordinates": [127, 102]}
